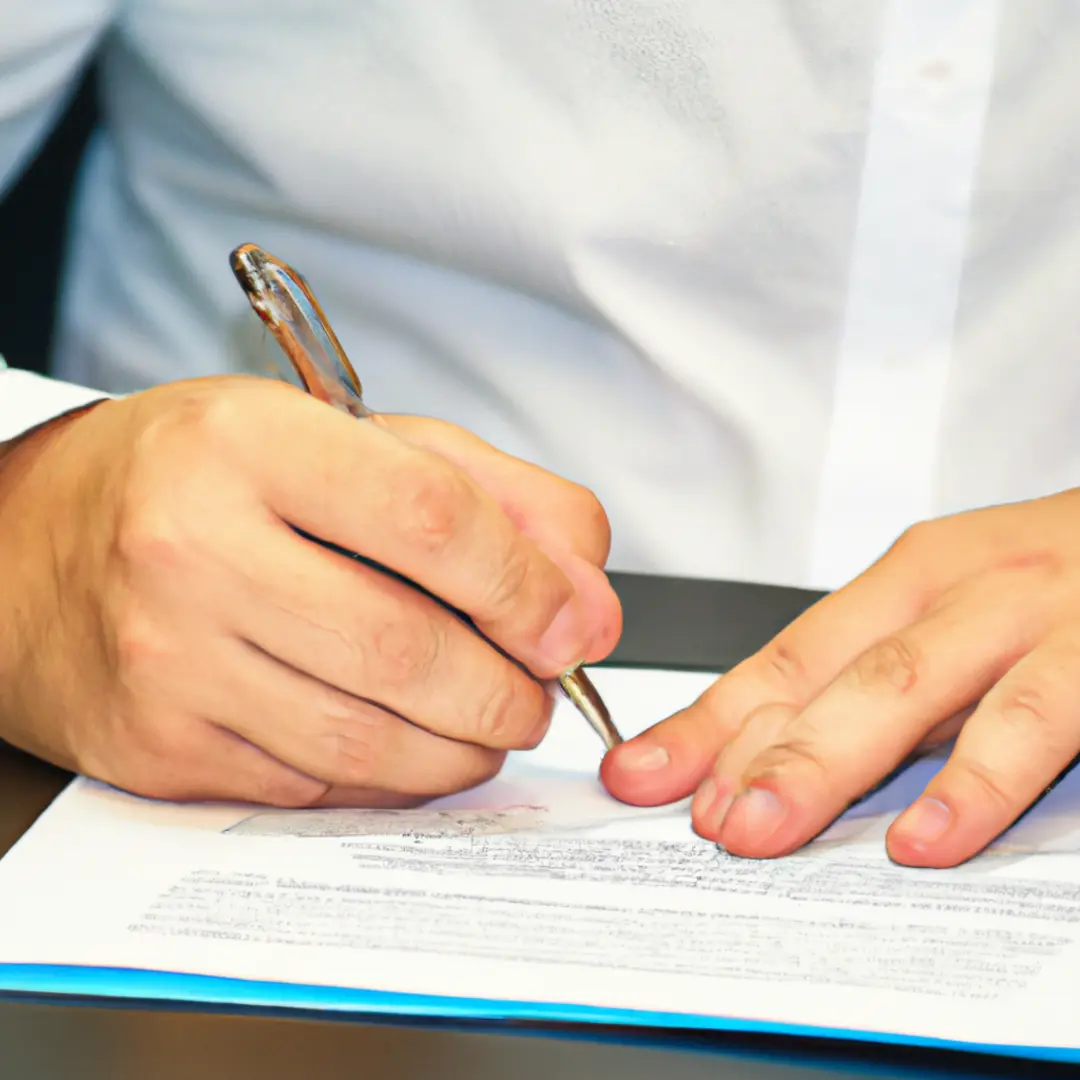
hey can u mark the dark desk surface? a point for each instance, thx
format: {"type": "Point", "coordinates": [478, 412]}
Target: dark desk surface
{"type": "Point", "coordinates": [668, 623]}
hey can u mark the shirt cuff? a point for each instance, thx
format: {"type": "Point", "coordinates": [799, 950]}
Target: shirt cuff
{"type": "Point", "coordinates": [27, 400]}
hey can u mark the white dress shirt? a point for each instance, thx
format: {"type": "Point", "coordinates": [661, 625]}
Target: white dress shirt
{"type": "Point", "coordinates": [27, 399]}
{"type": "Point", "coordinates": [775, 279]}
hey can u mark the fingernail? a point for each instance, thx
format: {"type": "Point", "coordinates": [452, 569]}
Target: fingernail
{"type": "Point", "coordinates": [925, 822]}
{"type": "Point", "coordinates": [710, 804]}
{"type": "Point", "coordinates": [563, 643]}
{"type": "Point", "coordinates": [640, 757]}
{"type": "Point", "coordinates": [757, 813]}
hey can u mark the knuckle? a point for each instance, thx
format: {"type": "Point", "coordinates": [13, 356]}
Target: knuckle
{"type": "Point", "coordinates": [1026, 708]}
{"type": "Point", "coordinates": [890, 666]}
{"type": "Point", "coordinates": [212, 415]}
{"type": "Point", "coordinates": [784, 664]}
{"type": "Point", "coordinates": [357, 741]}
{"type": "Point", "coordinates": [193, 418]}
{"type": "Point", "coordinates": [991, 784]}
{"type": "Point", "coordinates": [591, 525]}
{"type": "Point", "coordinates": [164, 501]}
{"type": "Point", "coordinates": [915, 541]}
{"type": "Point", "coordinates": [140, 651]}
{"type": "Point", "coordinates": [792, 754]}
{"type": "Point", "coordinates": [506, 714]}
{"type": "Point", "coordinates": [1045, 566]}
{"type": "Point", "coordinates": [147, 537]}
{"type": "Point", "coordinates": [433, 500]}
{"type": "Point", "coordinates": [406, 652]}
{"type": "Point", "coordinates": [509, 582]}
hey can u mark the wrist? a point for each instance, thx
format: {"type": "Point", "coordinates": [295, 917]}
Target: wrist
{"type": "Point", "coordinates": [18, 454]}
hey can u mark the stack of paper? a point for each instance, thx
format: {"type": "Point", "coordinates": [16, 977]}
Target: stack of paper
{"type": "Point", "coordinates": [539, 896]}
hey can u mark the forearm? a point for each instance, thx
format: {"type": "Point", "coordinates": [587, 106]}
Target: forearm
{"type": "Point", "coordinates": [35, 413]}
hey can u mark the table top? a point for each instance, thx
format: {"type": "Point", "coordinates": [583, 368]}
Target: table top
{"type": "Point", "coordinates": [668, 623]}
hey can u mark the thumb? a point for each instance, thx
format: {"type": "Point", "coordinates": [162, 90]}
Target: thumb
{"type": "Point", "coordinates": [598, 601]}
{"type": "Point", "coordinates": [668, 761]}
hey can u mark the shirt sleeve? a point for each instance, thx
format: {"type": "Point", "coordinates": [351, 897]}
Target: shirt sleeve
{"type": "Point", "coordinates": [27, 400]}
{"type": "Point", "coordinates": [44, 46]}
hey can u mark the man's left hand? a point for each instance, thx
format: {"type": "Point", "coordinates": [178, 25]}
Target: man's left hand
{"type": "Point", "coordinates": [969, 627]}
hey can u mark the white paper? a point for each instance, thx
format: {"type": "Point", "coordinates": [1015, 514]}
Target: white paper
{"type": "Point", "coordinates": [538, 887]}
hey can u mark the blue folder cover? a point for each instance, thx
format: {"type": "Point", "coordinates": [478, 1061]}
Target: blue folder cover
{"type": "Point", "coordinates": [161, 986]}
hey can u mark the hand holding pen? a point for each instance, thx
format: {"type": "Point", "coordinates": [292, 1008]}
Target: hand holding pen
{"type": "Point", "coordinates": [285, 303]}
{"type": "Point", "coordinates": [201, 647]}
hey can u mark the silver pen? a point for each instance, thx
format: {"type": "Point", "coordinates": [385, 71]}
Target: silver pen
{"type": "Point", "coordinates": [285, 303]}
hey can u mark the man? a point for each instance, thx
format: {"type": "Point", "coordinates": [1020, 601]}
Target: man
{"type": "Point", "coordinates": [776, 281]}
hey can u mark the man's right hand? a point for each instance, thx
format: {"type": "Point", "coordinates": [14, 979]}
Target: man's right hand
{"type": "Point", "coordinates": [164, 628]}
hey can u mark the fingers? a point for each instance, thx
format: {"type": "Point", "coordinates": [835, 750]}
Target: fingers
{"type": "Point", "coordinates": [349, 745]}
{"type": "Point", "coordinates": [1021, 736]}
{"type": "Point", "coordinates": [557, 514]}
{"type": "Point", "coordinates": [206, 763]}
{"type": "Point", "coordinates": [238, 448]}
{"type": "Point", "coordinates": [761, 729]}
{"type": "Point", "coordinates": [879, 709]}
{"type": "Point", "coordinates": [597, 599]}
{"type": "Point", "coordinates": [565, 520]}
{"type": "Point", "coordinates": [944, 732]}
{"type": "Point", "coordinates": [359, 486]}
{"type": "Point", "coordinates": [373, 637]}
{"type": "Point", "coordinates": [176, 759]}
{"type": "Point", "coordinates": [670, 760]}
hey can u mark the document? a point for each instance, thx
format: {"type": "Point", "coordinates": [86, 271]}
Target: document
{"type": "Point", "coordinates": [538, 895]}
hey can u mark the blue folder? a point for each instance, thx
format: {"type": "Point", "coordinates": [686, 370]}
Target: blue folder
{"type": "Point", "coordinates": [161, 986]}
